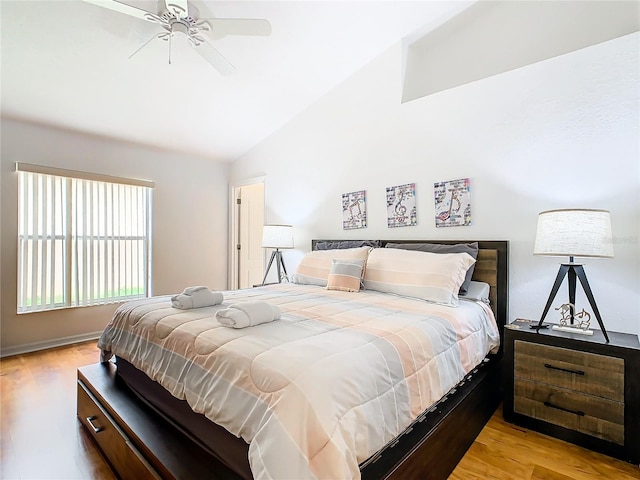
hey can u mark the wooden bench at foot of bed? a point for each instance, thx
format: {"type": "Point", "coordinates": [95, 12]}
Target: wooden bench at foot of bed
{"type": "Point", "coordinates": [137, 443]}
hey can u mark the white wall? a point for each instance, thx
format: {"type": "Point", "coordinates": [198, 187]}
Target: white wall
{"type": "Point", "coordinates": [559, 133]}
{"type": "Point", "coordinates": [189, 223]}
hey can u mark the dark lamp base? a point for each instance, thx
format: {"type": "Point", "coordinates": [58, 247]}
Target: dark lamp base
{"type": "Point", "coordinates": [573, 271]}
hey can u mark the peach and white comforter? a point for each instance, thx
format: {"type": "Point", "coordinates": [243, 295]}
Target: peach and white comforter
{"type": "Point", "coordinates": [318, 391]}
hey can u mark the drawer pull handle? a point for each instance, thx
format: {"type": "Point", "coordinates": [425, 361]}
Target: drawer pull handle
{"type": "Point", "coordinates": [577, 372]}
{"type": "Point", "coordinates": [575, 412]}
{"type": "Point", "coordinates": [90, 422]}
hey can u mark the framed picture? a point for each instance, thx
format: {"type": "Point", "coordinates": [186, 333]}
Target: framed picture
{"type": "Point", "coordinates": [453, 203]}
{"type": "Point", "coordinates": [401, 206]}
{"type": "Point", "coordinates": [354, 210]}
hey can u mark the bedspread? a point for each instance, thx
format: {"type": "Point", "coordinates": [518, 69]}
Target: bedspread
{"type": "Point", "coordinates": [318, 391]}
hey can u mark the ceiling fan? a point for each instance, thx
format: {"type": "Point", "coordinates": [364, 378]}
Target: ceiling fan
{"type": "Point", "coordinates": [182, 18]}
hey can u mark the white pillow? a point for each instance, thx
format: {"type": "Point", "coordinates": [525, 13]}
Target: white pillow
{"type": "Point", "coordinates": [435, 277]}
{"type": "Point", "coordinates": [315, 266]}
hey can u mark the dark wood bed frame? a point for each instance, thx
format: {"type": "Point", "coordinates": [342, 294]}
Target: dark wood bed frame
{"type": "Point", "coordinates": [139, 444]}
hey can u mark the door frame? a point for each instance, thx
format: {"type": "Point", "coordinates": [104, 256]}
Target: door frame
{"type": "Point", "coordinates": [232, 278]}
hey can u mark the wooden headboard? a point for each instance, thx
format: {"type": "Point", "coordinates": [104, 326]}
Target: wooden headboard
{"type": "Point", "coordinates": [492, 267]}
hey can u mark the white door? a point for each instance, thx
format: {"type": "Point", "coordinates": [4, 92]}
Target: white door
{"type": "Point", "coordinates": [250, 254]}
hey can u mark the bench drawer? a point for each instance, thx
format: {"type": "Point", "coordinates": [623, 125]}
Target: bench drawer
{"type": "Point", "coordinates": [120, 452]}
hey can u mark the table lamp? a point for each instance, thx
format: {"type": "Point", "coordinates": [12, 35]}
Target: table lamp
{"type": "Point", "coordinates": [574, 233]}
{"type": "Point", "coordinates": [276, 236]}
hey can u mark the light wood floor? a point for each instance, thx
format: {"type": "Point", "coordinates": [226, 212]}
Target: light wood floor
{"type": "Point", "coordinates": [42, 439]}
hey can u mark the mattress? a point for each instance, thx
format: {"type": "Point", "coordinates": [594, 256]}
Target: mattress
{"type": "Point", "coordinates": [329, 384]}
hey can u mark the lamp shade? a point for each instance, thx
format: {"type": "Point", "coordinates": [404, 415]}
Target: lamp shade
{"type": "Point", "coordinates": [277, 236]}
{"type": "Point", "coordinates": [574, 233]}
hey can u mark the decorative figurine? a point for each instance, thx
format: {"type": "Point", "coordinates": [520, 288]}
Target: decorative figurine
{"type": "Point", "coordinates": [568, 319]}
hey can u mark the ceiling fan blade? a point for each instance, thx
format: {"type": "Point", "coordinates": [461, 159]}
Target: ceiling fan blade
{"type": "Point", "coordinates": [238, 26]}
{"type": "Point", "coordinates": [214, 57]}
{"type": "Point", "coordinates": [127, 10]}
{"type": "Point", "coordinates": [180, 8]}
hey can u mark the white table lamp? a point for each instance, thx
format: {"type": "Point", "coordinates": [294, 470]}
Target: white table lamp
{"type": "Point", "coordinates": [278, 237]}
{"type": "Point", "coordinates": [574, 233]}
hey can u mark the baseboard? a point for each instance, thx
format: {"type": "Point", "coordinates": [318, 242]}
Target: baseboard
{"type": "Point", "coordinates": [44, 345]}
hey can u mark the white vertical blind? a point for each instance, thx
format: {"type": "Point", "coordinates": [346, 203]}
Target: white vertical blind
{"type": "Point", "coordinates": [81, 242]}
{"type": "Point", "coordinates": [42, 223]}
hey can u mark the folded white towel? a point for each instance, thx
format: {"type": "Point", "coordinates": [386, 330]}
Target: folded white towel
{"type": "Point", "coordinates": [192, 290]}
{"type": "Point", "coordinates": [197, 299]}
{"type": "Point", "coordinates": [248, 314]}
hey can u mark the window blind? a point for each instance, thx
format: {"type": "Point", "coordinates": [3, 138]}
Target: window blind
{"type": "Point", "coordinates": [81, 242]}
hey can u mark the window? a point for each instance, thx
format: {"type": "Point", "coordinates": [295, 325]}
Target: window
{"type": "Point", "coordinates": [83, 239]}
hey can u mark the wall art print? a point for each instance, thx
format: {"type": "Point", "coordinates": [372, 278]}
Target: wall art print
{"type": "Point", "coordinates": [354, 210]}
{"type": "Point", "coordinates": [453, 203]}
{"type": "Point", "coordinates": [401, 206]}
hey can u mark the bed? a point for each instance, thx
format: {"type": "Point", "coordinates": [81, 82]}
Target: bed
{"type": "Point", "coordinates": [291, 417]}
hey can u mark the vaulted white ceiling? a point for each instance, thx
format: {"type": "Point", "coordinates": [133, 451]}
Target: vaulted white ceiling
{"type": "Point", "coordinates": [65, 63]}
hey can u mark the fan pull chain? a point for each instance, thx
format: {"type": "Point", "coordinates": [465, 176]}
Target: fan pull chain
{"type": "Point", "coordinates": [145, 44]}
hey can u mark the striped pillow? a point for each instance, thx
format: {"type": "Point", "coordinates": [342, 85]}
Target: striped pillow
{"type": "Point", "coordinates": [345, 275]}
{"type": "Point", "coordinates": [315, 266]}
{"type": "Point", "coordinates": [435, 277]}
{"type": "Point", "coordinates": [470, 248]}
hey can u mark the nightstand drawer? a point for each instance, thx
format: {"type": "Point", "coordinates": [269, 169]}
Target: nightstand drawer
{"type": "Point", "coordinates": [589, 373]}
{"type": "Point", "coordinates": [588, 414]}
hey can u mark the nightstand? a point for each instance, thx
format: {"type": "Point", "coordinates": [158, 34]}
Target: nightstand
{"type": "Point", "coordinates": [575, 387]}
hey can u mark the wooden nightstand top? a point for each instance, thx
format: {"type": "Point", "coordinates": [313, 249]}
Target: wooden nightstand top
{"type": "Point", "coordinates": [616, 339]}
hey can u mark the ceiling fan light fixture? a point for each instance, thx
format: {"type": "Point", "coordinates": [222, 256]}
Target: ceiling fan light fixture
{"type": "Point", "coordinates": [179, 27]}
